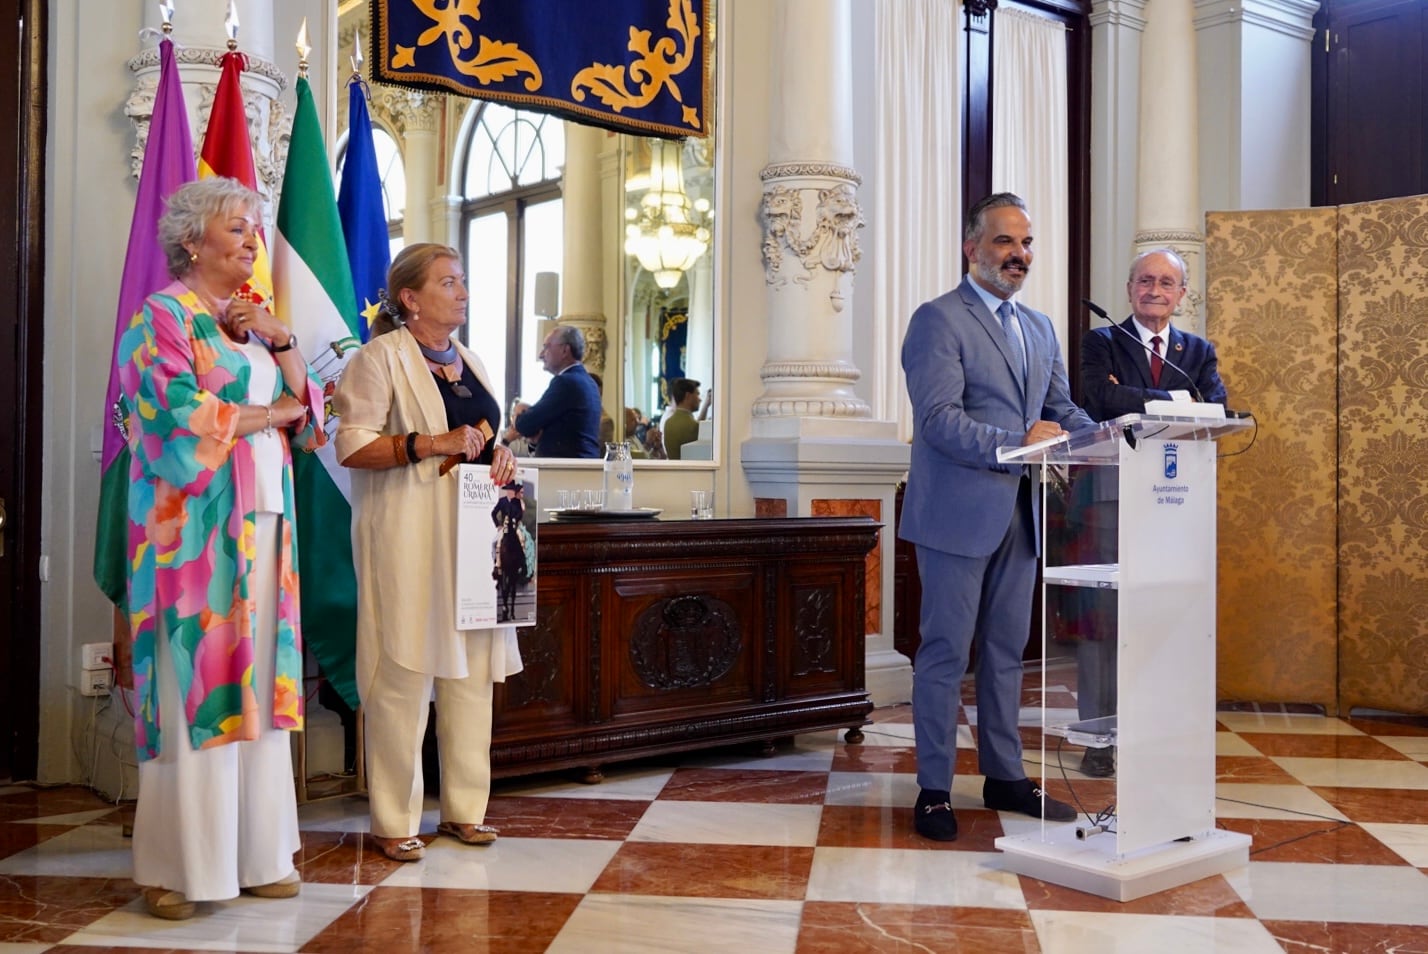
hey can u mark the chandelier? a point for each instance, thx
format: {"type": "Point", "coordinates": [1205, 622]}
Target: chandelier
{"type": "Point", "coordinates": [666, 233]}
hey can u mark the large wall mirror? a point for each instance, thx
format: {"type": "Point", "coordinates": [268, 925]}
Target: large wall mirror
{"type": "Point", "coordinates": [560, 222]}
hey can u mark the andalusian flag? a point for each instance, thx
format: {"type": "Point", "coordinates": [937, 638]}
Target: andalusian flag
{"type": "Point", "coordinates": [227, 151]}
{"type": "Point", "coordinates": [315, 297]}
{"type": "Point", "coordinates": [359, 203]}
{"type": "Point", "coordinates": [168, 164]}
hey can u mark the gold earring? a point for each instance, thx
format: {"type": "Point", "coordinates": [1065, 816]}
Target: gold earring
{"type": "Point", "coordinates": [192, 257]}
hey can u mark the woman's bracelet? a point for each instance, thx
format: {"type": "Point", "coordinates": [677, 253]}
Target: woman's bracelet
{"type": "Point", "coordinates": [411, 448]}
{"type": "Point", "coordinates": [268, 428]}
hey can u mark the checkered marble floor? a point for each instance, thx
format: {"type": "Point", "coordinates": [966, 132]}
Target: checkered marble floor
{"type": "Point", "coordinates": [807, 850]}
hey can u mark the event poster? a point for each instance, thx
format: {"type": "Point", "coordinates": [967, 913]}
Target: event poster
{"type": "Point", "coordinates": [495, 549]}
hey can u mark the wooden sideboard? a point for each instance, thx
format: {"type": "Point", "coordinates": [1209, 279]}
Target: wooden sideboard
{"type": "Point", "coordinates": [665, 636]}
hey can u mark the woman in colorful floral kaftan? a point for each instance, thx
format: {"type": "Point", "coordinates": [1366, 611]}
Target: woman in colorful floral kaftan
{"type": "Point", "coordinates": [412, 397]}
{"type": "Point", "coordinates": [217, 394]}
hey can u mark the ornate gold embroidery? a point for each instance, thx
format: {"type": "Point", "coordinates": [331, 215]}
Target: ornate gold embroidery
{"type": "Point", "coordinates": [654, 70]}
{"type": "Point", "coordinates": [494, 60]}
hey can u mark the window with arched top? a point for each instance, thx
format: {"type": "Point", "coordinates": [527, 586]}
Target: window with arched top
{"type": "Point", "coordinates": [511, 229]}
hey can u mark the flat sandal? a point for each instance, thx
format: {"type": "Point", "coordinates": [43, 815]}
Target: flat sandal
{"type": "Point", "coordinates": [468, 834]}
{"type": "Point", "coordinates": [401, 849]}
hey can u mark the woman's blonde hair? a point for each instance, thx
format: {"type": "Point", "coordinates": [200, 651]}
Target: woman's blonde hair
{"type": "Point", "coordinates": [408, 271]}
{"type": "Point", "coordinates": [189, 210]}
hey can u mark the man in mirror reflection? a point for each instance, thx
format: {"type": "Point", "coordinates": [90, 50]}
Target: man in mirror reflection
{"type": "Point", "coordinates": [680, 424]}
{"type": "Point", "coordinates": [519, 444]}
{"type": "Point", "coordinates": [1146, 359]}
{"type": "Point", "coordinates": [565, 422]}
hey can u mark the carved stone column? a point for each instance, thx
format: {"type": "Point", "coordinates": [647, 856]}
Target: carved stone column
{"type": "Point", "coordinates": [200, 44]}
{"type": "Point", "coordinates": [815, 449]}
{"type": "Point", "coordinates": [1168, 210]}
{"type": "Point", "coordinates": [582, 293]}
{"type": "Point", "coordinates": [1116, 32]}
{"type": "Point", "coordinates": [810, 217]}
{"type": "Point", "coordinates": [415, 117]}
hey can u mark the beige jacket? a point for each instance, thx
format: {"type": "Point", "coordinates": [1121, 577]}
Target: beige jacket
{"type": "Point", "coordinates": [404, 519]}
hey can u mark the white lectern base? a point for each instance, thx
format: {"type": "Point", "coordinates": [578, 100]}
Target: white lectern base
{"type": "Point", "coordinates": [1092, 866]}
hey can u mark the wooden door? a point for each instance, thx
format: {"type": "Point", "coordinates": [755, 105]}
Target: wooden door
{"type": "Point", "coordinates": [1370, 121]}
{"type": "Point", "coordinates": [22, 100]}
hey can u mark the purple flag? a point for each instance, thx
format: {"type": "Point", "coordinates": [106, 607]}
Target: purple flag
{"type": "Point", "coordinates": [168, 164]}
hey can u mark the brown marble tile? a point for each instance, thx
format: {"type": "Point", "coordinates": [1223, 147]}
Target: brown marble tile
{"type": "Point", "coordinates": [18, 837]}
{"type": "Point", "coordinates": [604, 819]}
{"type": "Point", "coordinates": [708, 871]}
{"type": "Point", "coordinates": [881, 826]}
{"type": "Point", "coordinates": [45, 909]}
{"type": "Point", "coordinates": [1320, 746]}
{"type": "Point", "coordinates": [868, 928]}
{"type": "Point", "coordinates": [1390, 725]}
{"type": "Point", "coordinates": [44, 802]}
{"type": "Point", "coordinates": [739, 785]}
{"type": "Point", "coordinates": [1392, 805]}
{"type": "Point", "coordinates": [335, 857]}
{"type": "Point", "coordinates": [1316, 937]}
{"type": "Point", "coordinates": [900, 714]}
{"type": "Point", "coordinates": [391, 920]}
{"type": "Point", "coordinates": [1208, 897]}
{"type": "Point", "coordinates": [1251, 768]}
{"type": "Point", "coordinates": [1316, 842]}
{"type": "Point", "coordinates": [876, 758]}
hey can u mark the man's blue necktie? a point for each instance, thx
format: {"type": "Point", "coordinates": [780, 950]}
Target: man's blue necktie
{"type": "Point", "coordinates": [1007, 312]}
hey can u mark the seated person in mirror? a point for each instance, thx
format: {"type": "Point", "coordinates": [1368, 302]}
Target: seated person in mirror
{"type": "Point", "coordinates": [565, 422]}
{"type": "Point", "coordinates": [519, 444]}
{"type": "Point", "coordinates": [680, 424]}
{"type": "Point", "coordinates": [607, 423]}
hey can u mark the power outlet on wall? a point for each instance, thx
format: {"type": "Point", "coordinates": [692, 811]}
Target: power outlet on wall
{"type": "Point", "coordinates": [96, 655]}
{"type": "Point", "coordinates": [95, 682]}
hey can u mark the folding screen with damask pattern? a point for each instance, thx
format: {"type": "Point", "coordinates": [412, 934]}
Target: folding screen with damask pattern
{"type": "Point", "coordinates": [1320, 318]}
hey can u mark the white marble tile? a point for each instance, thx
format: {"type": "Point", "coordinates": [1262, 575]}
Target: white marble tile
{"type": "Point", "coordinates": [1409, 841]}
{"type": "Point", "coordinates": [1230, 743]}
{"type": "Point", "coordinates": [897, 876]}
{"type": "Point", "coordinates": [1080, 932]}
{"type": "Point", "coordinates": [726, 823]}
{"type": "Point", "coordinates": [796, 759]}
{"type": "Point", "coordinates": [1356, 773]}
{"type": "Point", "coordinates": [73, 818]}
{"type": "Point", "coordinates": [895, 789]}
{"type": "Point", "coordinates": [94, 851]}
{"type": "Point", "coordinates": [11, 947]}
{"type": "Point", "coordinates": [1264, 800]}
{"type": "Point", "coordinates": [897, 734]}
{"type": "Point", "coordinates": [335, 814]}
{"type": "Point", "coordinates": [641, 784]}
{"type": "Point", "coordinates": [1413, 746]}
{"type": "Point", "coordinates": [511, 864]}
{"type": "Point", "coordinates": [635, 924]}
{"type": "Point", "coordinates": [1290, 723]}
{"type": "Point", "coordinates": [243, 924]}
{"type": "Point", "coordinates": [1354, 894]}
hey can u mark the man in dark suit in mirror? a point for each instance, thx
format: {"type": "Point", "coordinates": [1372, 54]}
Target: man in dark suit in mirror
{"type": "Point", "coordinates": [566, 419]}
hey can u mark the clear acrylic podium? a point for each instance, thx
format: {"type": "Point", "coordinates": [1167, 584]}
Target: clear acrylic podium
{"type": "Point", "coordinates": [1128, 549]}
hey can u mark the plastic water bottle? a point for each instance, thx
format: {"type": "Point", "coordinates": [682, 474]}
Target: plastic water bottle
{"type": "Point", "coordinates": [619, 477]}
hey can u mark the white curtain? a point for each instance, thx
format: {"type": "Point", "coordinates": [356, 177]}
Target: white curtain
{"type": "Point", "coordinates": [916, 233]}
{"type": "Point", "coordinates": [1029, 147]}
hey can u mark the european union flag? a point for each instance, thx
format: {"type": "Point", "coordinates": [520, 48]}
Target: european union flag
{"type": "Point", "coordinates": [359, 205]}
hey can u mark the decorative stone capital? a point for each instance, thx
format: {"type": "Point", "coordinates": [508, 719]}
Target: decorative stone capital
{"type": "Point", "coordinates": [406, 110]}
{"type": "Point", "coordinates": [793, 251]}
{"type": "Point", "coordinates": [592, 326]}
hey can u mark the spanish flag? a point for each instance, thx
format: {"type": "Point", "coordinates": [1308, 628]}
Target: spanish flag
{"type": "Point", "coordinates": [227, 151]}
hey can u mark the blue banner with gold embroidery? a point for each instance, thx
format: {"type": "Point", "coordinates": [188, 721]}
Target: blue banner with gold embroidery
{"type": "Point", "coordinates": [635, 66]}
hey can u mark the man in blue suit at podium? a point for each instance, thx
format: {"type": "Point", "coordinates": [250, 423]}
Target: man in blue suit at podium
{"type": "Point", "coordinates": [983, 372]}
{"type": "Point", "coordinates": [1143, 359]}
